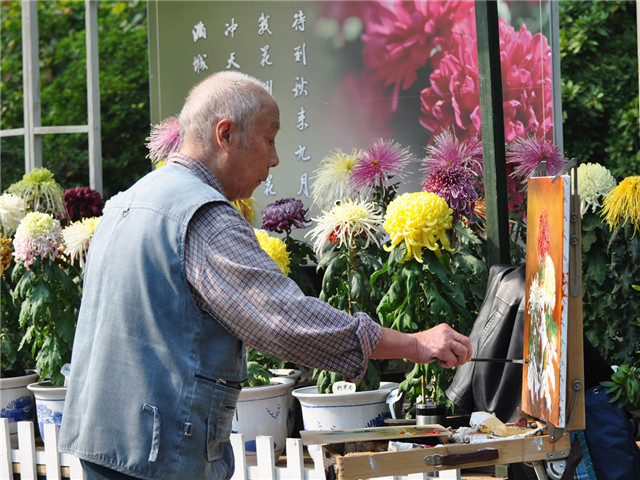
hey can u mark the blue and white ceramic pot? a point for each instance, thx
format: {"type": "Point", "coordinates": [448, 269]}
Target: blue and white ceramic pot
{"type": "Point", "coordinates": [344, 411]}
{"type": "Point", "coordinates": [293, 407]}
{"type": "Point", "coordinates": [16, 402]}
{"type": "Point", "coordinates": [49, 403]}
{"type": "Point", "coordinates": [263, 411]}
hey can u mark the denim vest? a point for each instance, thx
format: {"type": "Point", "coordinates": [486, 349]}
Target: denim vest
{"type": "Point", "coordinates": [147, 394]}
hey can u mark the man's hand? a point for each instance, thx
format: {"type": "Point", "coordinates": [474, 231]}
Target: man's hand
{"type": "Point", "coordinates": [444, 345]}
{"type": "Point", "coordinates": [440, 343]}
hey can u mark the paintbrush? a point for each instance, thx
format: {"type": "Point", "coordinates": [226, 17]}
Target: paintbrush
{"type": "Point", "coordinates": [501, 360]}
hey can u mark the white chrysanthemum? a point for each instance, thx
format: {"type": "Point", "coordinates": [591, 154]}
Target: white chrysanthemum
{"type": "Point", "coordinates": [594, 181]}
{"type": "Point", "coordinates": [12, 210]}
{"type": "Point", "coordinates": [548, 284]}
{"type": "Point", "coordinates": [534, 297]}
{"type": "Point", "coordinates": [346, 222]}
{"type": "Point", "coordinates": [77, 237]}
{"type": "Point", "coordinates": [331, 180]}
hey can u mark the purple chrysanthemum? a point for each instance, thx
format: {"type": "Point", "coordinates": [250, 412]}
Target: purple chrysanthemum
{"type": "Point", "coordinates": [163, 140]}
{"type": "Point", "coordinates": [527, 153]}
{"type": "Point", "coordinates": [378, 164]}
{"type": "Point", "coordinates": [283, 215]}
{"type": "Point", "coordinates": [83, 202]}
{"type": "Point", "coordinates": [454, 183]}
{"type": "Point", "coordinates": [447, 149]}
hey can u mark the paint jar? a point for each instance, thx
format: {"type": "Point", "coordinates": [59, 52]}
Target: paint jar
{"type": "Point", "coordinates": [431, 413]}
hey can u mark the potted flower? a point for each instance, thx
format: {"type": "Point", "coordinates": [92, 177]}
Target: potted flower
{"type": "Point", "coordinates": [399, 285]}
{"type": "Point", "coordinates": [14, 362]}
{"type": "Point", "coordinates": [425, 288]}
{"type": "Point", "coordinates": [42, 289]}
{"type": "Point", "coordinates": [347, 235]}
{"type": "Point", "coordinates": [352, 190]}
{"type": "Point", "coordinates": [16, 402]}
{"type": "Point", "coordinates": [49, 297]}
{"type": "Point", "coordinates": [36, 190]}
{"type": "Point", "coordinates": [435, 264]}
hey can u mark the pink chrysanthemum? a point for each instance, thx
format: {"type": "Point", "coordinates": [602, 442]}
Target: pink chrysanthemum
{"type": "Point", "coordinates": [83, 202]}
{"type": "Point", "coordinates": [452, 100]}
{"type": "Point", "coordinates": [382, 161]}
{"type": "Point", "coordinates": [163, 140]}
{"type": "Point", "coordinates": [403, 37]}
{"type": "Point", "coordinates": [38, 235]}
{"type": "Point", "coordinates": [447, 149]}
{"type": "Point", "coordinates": [454, 183]}
{"type": "Point", "coordinates": [527, 153]}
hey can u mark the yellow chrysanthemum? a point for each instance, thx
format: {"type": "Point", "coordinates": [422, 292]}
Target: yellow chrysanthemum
{"type": "Point", "coordinates": [276, 249]}
{"type": "Point", "coordinates": [623, 204]}
{"type": "Point", "coordinates": [6, 254]}
{"type": "Point", "coordinates": [77, 237]}
{"type": "Point", "coordinates": [420, 219]}
{"type": "Point", "coordinates": [331, 180]}
{"type": "Point", "coordinates": [247, 207]}
{"type": "Point", "coordinates": [346, 222]}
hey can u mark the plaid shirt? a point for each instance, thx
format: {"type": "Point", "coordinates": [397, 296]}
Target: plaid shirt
{"type": "Point", "coordinates": [236, 282]}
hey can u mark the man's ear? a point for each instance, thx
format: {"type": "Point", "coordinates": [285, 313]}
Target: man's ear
{"type": "Point", "coordinates": [222, 133]}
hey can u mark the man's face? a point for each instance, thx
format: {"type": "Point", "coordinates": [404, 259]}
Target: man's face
{"type": "Point", "coordinates": [253, 160]}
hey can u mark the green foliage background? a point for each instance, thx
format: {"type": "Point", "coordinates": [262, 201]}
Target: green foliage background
{"type": "Point", "coordinates": [599, 66]}
{"type": "Point", "coordinates": [124, 91]}
{"type": "Point", "coordinates": [599, 71]}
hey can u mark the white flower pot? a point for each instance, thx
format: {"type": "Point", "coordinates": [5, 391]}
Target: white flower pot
{"type": "Point", "coordinates": [49, 403]}
{"type": "Point", "coordinates": [263, 411]}
{"type": "Point", "coordinates": [294, 375]}
{"type": "Point", "coordinates": [344, 411]}
{"type": "Point", "coordinates": [16, 402]}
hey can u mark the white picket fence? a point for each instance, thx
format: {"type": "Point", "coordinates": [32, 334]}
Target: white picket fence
{"type": "Point", "coordinates": [30, 461]}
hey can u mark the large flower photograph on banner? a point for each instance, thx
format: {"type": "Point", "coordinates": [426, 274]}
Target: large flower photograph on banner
{"type": "Point", "coordinates": [348, 74]}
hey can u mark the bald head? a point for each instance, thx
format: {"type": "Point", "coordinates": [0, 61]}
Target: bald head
{"type": "Point", "coordinates": [228, 94]}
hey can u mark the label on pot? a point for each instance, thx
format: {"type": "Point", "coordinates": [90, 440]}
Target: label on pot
{"type": "Point", "coordinates": [343, 387]}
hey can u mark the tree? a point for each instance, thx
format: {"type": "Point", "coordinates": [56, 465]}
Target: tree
{"type": "Point", "coordinates": [599, 68]}
{"type": "Point", "coordinates": [124, 91]}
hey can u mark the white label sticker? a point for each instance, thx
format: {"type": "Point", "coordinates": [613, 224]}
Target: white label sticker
{"type": "Point", "coordinates": [344, 387]}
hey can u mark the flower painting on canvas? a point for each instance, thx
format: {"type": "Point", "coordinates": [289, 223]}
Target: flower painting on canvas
{"type": "Point", "coordinates": [546, 297]}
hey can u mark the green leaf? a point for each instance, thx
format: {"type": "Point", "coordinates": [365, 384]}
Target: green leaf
{"type": "Point", "coordinates": [359, 287]}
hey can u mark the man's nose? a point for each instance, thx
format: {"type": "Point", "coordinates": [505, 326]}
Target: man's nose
{"type": "Point", "coordinates": [274, 161]}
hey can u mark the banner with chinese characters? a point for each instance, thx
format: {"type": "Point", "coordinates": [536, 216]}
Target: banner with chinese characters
{"type": "Point", "coordinates": [349, 73]}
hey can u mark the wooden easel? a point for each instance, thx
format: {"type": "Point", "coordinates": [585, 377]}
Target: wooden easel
{"type": "Point", "coordinates": [355, 455]}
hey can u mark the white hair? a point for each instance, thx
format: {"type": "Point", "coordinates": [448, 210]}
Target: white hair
{"type": "Point", "coordinates": [227, 94]}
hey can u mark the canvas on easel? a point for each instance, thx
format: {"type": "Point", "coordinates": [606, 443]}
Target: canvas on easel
{"type": "Point", "coordinates": [544, 382]}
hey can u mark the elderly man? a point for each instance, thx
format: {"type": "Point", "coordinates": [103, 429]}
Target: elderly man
{"type": "Point", "coordinates": [176, 284]}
